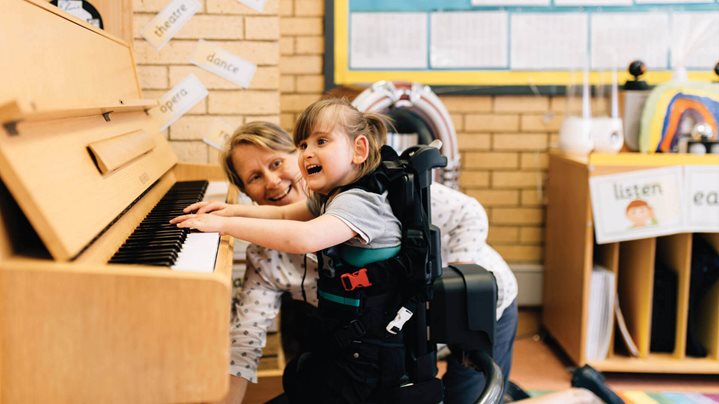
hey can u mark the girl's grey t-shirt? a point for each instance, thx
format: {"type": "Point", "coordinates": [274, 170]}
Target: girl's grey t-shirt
{"type": "Point", "coordinates": [367, 213]}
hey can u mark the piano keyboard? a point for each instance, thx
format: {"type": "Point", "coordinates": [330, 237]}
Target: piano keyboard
{"type": "Point", "coordinates": [157, 242]}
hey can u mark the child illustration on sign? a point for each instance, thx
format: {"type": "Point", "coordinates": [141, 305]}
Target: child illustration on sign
{"type": "Point", "coordinates": [640, 214]}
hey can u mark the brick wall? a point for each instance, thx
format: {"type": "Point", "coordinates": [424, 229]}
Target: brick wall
{"type": "Point", "coordinates": [503, 140]}
{"type": "Point", "coordinates": [243, 31]}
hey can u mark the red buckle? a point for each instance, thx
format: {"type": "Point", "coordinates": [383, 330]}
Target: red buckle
{"type": "Point", "coordinates": [354, 280]}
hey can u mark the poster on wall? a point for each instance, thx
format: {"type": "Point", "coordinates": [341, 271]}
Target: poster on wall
{"type": "Point", "coordinates": [701, 193]}
{"type": "Point", "coordinates": [637, 204]}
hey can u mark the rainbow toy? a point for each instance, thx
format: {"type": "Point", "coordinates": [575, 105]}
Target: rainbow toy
{"type": "Point", "coordinates": [672, 109]}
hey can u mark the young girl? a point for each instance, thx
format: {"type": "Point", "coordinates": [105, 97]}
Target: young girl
{"type": "Point", "coordinates": [338, 145]}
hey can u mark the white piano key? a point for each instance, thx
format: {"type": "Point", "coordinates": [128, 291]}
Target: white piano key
{"type": "Point", "coordinates": [199, 251]}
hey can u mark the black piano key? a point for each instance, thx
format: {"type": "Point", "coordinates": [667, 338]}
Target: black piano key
{"type": "Point", "coordinates": [155, 241]}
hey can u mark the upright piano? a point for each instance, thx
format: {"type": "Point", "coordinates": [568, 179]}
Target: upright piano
{"type": "Point", "coordinates": [84, 177]}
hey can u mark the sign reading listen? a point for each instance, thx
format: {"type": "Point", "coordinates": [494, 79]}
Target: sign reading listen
{"type": "Point", "coordinates": [168, 22]}
{"type": "Point", "coordinates": [223, 63]}
{"type": "Point", "coordinates": [637, 204]}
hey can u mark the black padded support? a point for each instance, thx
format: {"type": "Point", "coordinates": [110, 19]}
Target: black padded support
{"type": "Point", "coordinates": [459, 311]}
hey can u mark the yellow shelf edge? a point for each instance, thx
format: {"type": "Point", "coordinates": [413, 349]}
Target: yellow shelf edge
{"type": "Point", "coordinates": [658, 159]}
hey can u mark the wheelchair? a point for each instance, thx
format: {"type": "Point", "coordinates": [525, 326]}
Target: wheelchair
{"type": "Point", "coordinates": [454, 305]}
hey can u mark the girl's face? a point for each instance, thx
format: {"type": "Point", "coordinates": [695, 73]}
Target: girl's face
{"type": "Point", "coordinates": [270, 177]}
{"type": "Point", "coordinates": [329, 159]}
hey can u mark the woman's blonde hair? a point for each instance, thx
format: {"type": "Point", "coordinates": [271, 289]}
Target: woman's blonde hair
{"type": "Point", "coordinates": [265, 135]}
{"type": "Point", "coordinates": [353, 122]}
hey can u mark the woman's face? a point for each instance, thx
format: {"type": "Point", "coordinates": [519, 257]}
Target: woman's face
{"type": "Point", "coordinates": [270, 177]}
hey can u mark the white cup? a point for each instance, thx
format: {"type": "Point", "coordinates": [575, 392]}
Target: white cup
{"type": "Point", "coordinates": [575, 135]}
{"type": "Point", "coordinates": [607, 134]}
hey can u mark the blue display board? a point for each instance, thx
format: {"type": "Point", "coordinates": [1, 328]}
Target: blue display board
{"type": "Point", "coordinates": [517, 45]}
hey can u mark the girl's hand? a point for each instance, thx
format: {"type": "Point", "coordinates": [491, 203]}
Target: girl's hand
{"type": "Point", "coordinates": [215, 207]}
{"type": "Point", "coordinates": [202, 222]}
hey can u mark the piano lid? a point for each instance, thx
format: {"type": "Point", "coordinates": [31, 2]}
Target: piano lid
{"type": "Point", "coordinates": [76, 145]}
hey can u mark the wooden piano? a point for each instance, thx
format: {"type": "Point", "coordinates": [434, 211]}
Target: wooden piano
{"type": "Point", "coordinates": [81, 165]}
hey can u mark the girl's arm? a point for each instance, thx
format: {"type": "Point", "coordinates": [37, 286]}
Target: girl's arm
{"type": "Point", "coordinates": [291, 236]}
{"type": "Point", "coordinates": [294, 211]}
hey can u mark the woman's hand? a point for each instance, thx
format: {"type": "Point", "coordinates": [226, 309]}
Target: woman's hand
{"type": "Point", "coordinates": [202, 222]}
{"type": "Point", "coordinates": [214, 207]}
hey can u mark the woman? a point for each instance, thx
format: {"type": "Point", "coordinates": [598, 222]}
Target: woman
{"type": "Point", "coordinates": [260, 158]}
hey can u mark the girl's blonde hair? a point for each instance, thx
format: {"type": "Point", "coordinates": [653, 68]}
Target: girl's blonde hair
{"type": "Point", "coordinates": [265, 135]}
{"type": "Point", "coordinates": [353, 122]}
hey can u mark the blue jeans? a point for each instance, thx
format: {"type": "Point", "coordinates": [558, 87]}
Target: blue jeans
{"type": "Point", "coordinates": [464, 385]}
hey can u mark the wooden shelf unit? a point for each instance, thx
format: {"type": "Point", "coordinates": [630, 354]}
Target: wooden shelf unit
{"type": "Point", "coordinates": [570, 253]}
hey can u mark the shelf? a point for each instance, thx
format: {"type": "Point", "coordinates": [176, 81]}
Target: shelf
{"type": "Point", "coordinates": [651, 160]}
{"type": "Point", "coordinates": [570, 253]}
{"type": "Point", "coordinates": [657, 363]}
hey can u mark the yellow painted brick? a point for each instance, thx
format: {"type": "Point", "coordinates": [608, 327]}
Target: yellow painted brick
{"type": "Point", "coordinates": [310, 84]}
{"type": "Point", "coordinates": [227, 27]}
{"type": "Point", "coordinates": [180, 51]}
{"type": "Point", "coordinates": [199, 108]}
{"type": "Point", "coordinates": [195, 127]}
{"type": "Point", "coordinates": [503, 234]}
{"type": "Point", "coordinates": [491, 160]}
{"type": "Point", "coordinates": [287, 121]}
{"type": "Point", "coordinates": [474, 141]}
{"type": "Point", "coordinates": [301, 26]}
{"type": "Point", "coordinates": [495, 197]}
{"type": "Point", "coordinates": [153, 77]}
{"type": "Point", "coordinates": [310, 45]}
{"type": "Point", "coordinates": [191, 151]}
{"type": "Point", "coordinates": [286, 8]}
{"type": "Point", "coordinates": [244, 102]}
{"type": "Point", "coordinates": [563, 105]}
{"type": "Point", "coordinates": [517, 179]}
{"type": "Point", "coordinates": [174, 52]}
{"type": "Point", "coordinates": [265, 78]}
{"type": "Point", "coordinates": [467, 103]}
{"type": "Point", "coordinates": [287, 45]}
{"type": "Point", "coordinates": [262, 27]}
{"type": "Point", "coordinates": [553, 140]}
{"type": "Point", "coordinates": [547, 122]}
{"type": "Point", "coordinates": [533, 197]}
{"type": "Point", "coordinates": [513, 253]}
{"type": "Point", "coordinates": [491, 123]}
{"type": "Point", "coordinates": [472, 179]}
{"type": "Point", "coordinates": [301, 64]}
{"type": "Point", "coordinates": [287, 84]}
{"type": "Point", "coordinates": [213, 156]}
{"type": "Point", "coordinates": [267, 118]}
{"type": "Point", "coordinates": [457, 121]}
{"type": "Point", "coordinates": [236, 7]}
{"type": "Point", "coordinates": [297, 102]}
{"type": "Point", "coordinates": [531, 234]}
{"type": "Point", "coordinates": [534, 160]}
{"type": "Point", "coordinates": [148, 5]}
{"type": "Point", "coordinates": [529, 103]}
{"type": "Point", "coordinates": [520, 216]}
{"type": "Point", "coordinates": [200, 26]}
{"type": "Point", "coordinates": [310, 8]}
{"type": "Point", "coordinates": [257, 52]}
{"type": "Point", "coordinates": [573, 105]}
{"type": "Point", "coordinates": [520, 141]}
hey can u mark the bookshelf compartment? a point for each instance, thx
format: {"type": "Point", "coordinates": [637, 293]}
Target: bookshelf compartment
{"type": "Point", "coordinates": [571, 253]}
{"type": "Point", "coordinates": [634, 287]}
{"type": "Point", "coordinates": [607, 256]}
{"type": "Point", "coordinates": [671, 294]}
{"type": "Point", "coordinates": [704, 286]}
